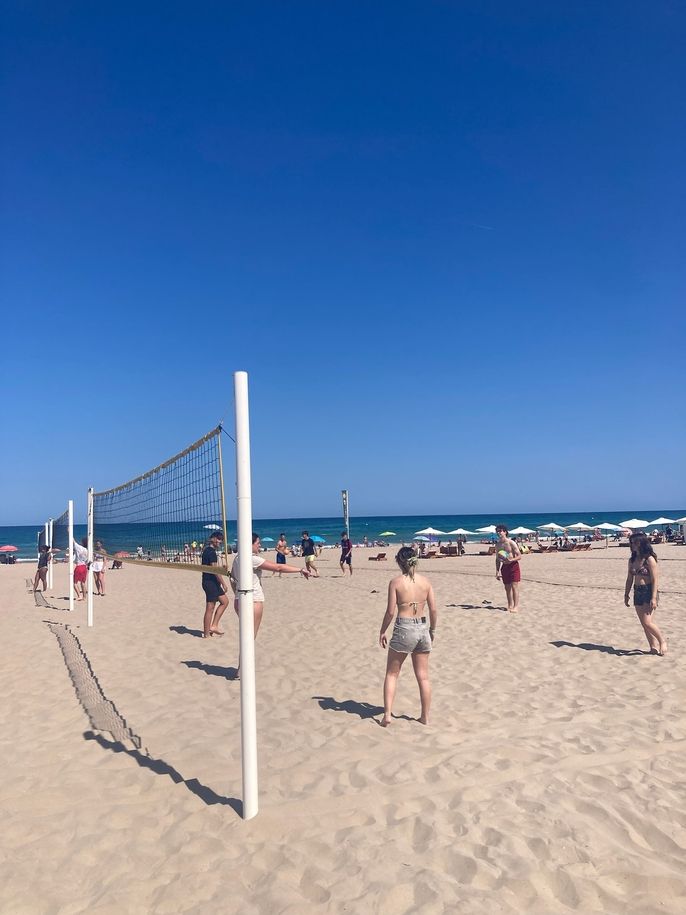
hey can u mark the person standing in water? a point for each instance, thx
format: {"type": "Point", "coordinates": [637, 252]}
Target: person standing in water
{"type": "Point", "coordinates": [413, 633]}
{"type": "Point", "coordinates": [643, 574]}
{"type": "Point", "coordinates": [507, 566]}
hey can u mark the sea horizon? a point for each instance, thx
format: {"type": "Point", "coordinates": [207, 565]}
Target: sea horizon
{"type": "Point", "coordinates": [403, 527]}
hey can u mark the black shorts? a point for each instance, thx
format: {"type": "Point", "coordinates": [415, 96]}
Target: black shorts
{"type": "Point", "coordinates": [212, 589]}
{"type": "Point", "coordinates": [280, 559]}
{"type": "Point", "coordinates": [347, 557]}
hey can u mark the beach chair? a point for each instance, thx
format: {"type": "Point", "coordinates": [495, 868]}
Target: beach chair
{"type": "Point", "coordinates": [489, 552]}
{"type": "Point", "coordinates": [377, 558]}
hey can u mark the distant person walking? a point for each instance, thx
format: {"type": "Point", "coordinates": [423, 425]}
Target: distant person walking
{"type": "Point", "coordinates": [308, 553]}
{"type": "Point", "coordinates": [643, 574]}
{"type": "Point", "coordinates": [214, 586]}
{"type": "Point", "coordinates": [98, 568]}
{"type": "Point", "coordinates": [507, 567]}
{"type": "Point", "coordinates": [346, 553]}
{"type": "Point", "coordinates": [259, 565]}
{"type": "Point", "coordinates": [413, 633]}
{"type": "Point", "coordinates": [80, 567]}
{"type": "Point", "coordinates": [42, 569]}
{"type": "Point", "coordinates": [281, 552]}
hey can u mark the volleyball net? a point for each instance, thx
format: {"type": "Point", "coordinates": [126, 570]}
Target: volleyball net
{"type": "Point", "coordinates": [62, 539]}
{"type": "Point", "coordinates": [165, 516]}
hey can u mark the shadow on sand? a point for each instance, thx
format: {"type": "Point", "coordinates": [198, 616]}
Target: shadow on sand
{"type": "Point", "coordinates": [361, 709]}
{"type": "Point", "coordinates": [104, 716]}
{"type": "Point", "coordinates": [605, 649]}
{"type": "Point", "coordinates": [212, 670]}
{"type": "Point", "coordinates": [184, 630]}
{"type": "Point", "coordinates": [160, 767]}
{"type": "Point", "coordinates": [485, 605]}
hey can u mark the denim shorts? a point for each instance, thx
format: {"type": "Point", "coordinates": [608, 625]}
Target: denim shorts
{"type": "Point", "coordinates": [643, 594]}
{"type": "Point", "coordinates": [410, 634]}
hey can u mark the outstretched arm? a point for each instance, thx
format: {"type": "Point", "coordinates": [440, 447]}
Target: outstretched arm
{"type": "Point", "coordinates": [274, 567]}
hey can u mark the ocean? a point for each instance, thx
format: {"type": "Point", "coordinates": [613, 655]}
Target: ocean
{"type": "Point", "coordinates": [129, 536]}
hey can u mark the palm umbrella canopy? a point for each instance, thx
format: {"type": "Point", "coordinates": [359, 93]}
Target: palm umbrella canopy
{"type": "Point", "coordinates": [486, 530]}
{"type": "Point", "coordinates": [522, 530]}
{"type": "Point", "coordinates": [662, 521]}
{"type": "Point", "coordinates": [551, 526]}
{"type": "Point", "coordinates": [580, 526]}
{"type": "Point", "coordinates": [431, 530]}
{"type": "Point", "coordinates": [462, 531]}
{"type": "Point", "coordinates": [633, 523]}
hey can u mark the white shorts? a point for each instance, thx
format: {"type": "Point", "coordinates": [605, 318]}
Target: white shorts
{"type": "Point", "coordinates": [97, 566]}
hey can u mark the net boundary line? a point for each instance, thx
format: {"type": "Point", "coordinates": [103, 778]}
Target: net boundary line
{"type": "Point", "coordinates": [144, 476]}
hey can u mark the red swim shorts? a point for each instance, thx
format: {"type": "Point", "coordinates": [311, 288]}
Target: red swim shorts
{"type": "Point", "coordinates": [80, 573]}
{"type": "Point", "coordinates": [510, 572]}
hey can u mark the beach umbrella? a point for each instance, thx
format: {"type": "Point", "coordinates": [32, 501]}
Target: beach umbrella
{"type": "Point", "coordinates": [317, 538]}
{"type": "Point", "coordinates": [388, 534]}
{"type": "Point", "coordinates": [634, 523]}
{"type": "Point", "coordinates": [522, 530]}
{"type": "Point", "coordinates": [606, 526]}
{"type": "Point", "coordinates": [681, 520]}
{"type": "Point", "coordinates": [580, 526]}
{"type": "Point", "coordinates": [431, 531]}
{"type": "Point", "coordinates": [8, 548]}
{"type": "Point", "coordinates": [486, 530]}
{"type": "Point", "coordinates": [212, 527]}
{"type": "Point", "coordinates": [551, 526]}
{"type": "Point", "coordinates": [662, 521]}
{"type": "Point", "coordinates": [420, 537]}
{"type": "Point", "coordinates": [462, 532]}
{"type": "Point", "coordinates": [267, 539]}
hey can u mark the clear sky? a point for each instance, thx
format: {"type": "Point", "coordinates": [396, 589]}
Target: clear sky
{"type": "Point", "coordinates": [445, 239]}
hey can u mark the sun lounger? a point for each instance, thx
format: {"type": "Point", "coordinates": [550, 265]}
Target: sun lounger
{"type": "Point", "coordinates": [489, 552]}
{"type": "Point", "coordinates": [377, 558]}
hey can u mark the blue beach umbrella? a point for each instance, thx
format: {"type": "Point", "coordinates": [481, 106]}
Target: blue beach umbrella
{"type": "Point", "coordinates": [267, 539]}
{"type": "Point", "coordinates": [317, 539]}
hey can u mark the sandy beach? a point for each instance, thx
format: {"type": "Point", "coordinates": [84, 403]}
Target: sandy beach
{"type": "Point", "coordinates": [551, 779]}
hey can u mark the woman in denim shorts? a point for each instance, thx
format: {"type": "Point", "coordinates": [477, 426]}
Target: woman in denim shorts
{"type": "Point", "coordinates": [413, 632]}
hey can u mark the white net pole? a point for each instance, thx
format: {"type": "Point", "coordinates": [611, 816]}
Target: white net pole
{"type": "Point", "coordinates": [50, 532]}
{"type": "Point", "coordinates": [89, 576]}
{"type": "Point", "coordinates": [246, 597]}
{"type": "Point", "coordinates": [70, 551]}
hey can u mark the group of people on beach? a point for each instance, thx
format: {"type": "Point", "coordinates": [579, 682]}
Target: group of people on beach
{"type": "Point", "coordinates": [411, 595]}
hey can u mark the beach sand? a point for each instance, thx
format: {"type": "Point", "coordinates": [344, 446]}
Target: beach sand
{"type": "Point", "coordinates": [552, 778]}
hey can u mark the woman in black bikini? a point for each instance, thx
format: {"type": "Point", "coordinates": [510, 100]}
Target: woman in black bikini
{"type": "Point", "coordinates": [644, 575]}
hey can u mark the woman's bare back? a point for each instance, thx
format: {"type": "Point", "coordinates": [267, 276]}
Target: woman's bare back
{"type": "Point", "coordinates": [411, 594]}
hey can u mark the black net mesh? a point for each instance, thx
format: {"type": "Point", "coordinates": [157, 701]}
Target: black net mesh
{"type": "Point", "coordinates": [60, 532]}
{"type": "Point", "coordinates": [167, 514]}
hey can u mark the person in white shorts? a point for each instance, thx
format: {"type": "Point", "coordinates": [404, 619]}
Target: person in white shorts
{"type": "Point", "coordinates": [260, 565]}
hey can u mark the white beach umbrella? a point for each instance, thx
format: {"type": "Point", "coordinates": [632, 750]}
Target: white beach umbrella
{"type": "Point", "coordinates": [431, 531]}
{"type": "Point", "coordinates": [681, 520]}
{"type": "Point", "coordinates": [580, 526]}
{"type": "Point", "coordinates": [633, 523]}
{"type": "Point", "coordinates": [522, 530]}
{"type": "Point", "coordinates": [486, 530]}
{"type": "Point", "coordinates": [551, 526]}
{"type": "Point", "coordinates": [662, 521]}
{"type": "Point", "coordinates": [462, 531]}
{"type": "Point", "coordinates": [606, 526]}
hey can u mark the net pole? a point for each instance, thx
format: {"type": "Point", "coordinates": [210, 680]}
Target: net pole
{"type": "Point", "coordinates": [70, 551]}
{"type": "Point", "coordinates": [50, 533]}
{"type": "Point", "coordinates": [90, 556]}
{"type": "Point", "coordinates": [246, 597]}
{"type": "Point", "coordinates": [346, 515]}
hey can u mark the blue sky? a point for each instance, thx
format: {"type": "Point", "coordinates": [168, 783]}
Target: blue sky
{"type": "Point", "coordinates": [446, 241]}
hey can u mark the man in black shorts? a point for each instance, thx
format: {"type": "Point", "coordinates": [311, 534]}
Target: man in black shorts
{"type": "Point", "coordinates": [214, 588]}
{"type": "Point", "coordinates": [346, 553]}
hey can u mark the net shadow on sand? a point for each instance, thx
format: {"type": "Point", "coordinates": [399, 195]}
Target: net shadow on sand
{"type": "Point", "coordinates": [105, 718]}
{"type": "Point", "coordinates": [43, 604]}
{"type": "Point", "coordinates": [604, 649]}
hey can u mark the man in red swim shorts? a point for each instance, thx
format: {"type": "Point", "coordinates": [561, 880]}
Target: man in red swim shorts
{"type": "Point", "coordinates": [507, 566]}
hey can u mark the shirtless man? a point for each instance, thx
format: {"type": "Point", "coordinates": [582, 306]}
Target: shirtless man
{"type": "Point", "coordinates": [508, 567]}
{"type": "Point", "coordinates": [281, 553]}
